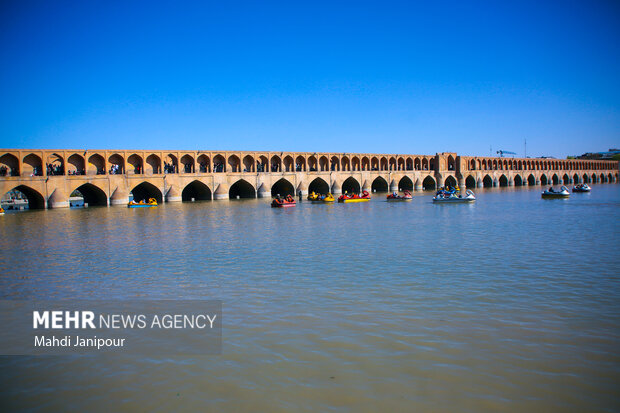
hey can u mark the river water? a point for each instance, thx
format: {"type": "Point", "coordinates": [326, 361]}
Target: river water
{"type": "Point", "coordinates": [511, 303]}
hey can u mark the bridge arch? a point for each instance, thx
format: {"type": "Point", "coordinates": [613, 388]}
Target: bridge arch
{"type": "Point", "coordinates": [318, 185]}
{"type": "Point", "coordinates": [503, 180]}
{"type": "Point", "coordinates": [300, 164]}
{"type": "Point", "coordinates": [136, 162]}
{"type": "Point", "coordinates": [11, 163]}
{"type": "Point", "coordinates": [594, 180]}
{"type": "Point", "coordinates": [55, 164]}
{"type": "Point", "coordinates": [283, 188]}
{"type": "Point", "coordinates": [241, 189]}
{"type": "Point", "coordinates": [487, 181]}
{"type": "Point", "coordinates": [603, 178]}
{"type": "Point", "coordinates": [313, 164]}
{"type": "Point", "coordinates": [117, 164]}
{"type": "Point", "coordinates": [288, 163]}
{"type": "Point", "coordinates": [146, 190]}
{"type": "Point", "coordinates": [555, 179]}
{"type": "Point", "coordinates": [323, 163]}
{"type": "Point", "coordinates": [204, 162]}
{"type": "Point", "coordinates": [429, 183]}
{"type": "Point", "coordinates": [219, 163]}
{"type": "Point", "coordinates": [379, 185]}
{"type": "Point", "coordinates": [92, 194]}
{"type": "Point", "coordinates": [188, 164]}
{"type": "Point", "coordinates": [518, 180]}
{"type": "Point", "coordinates": [34, 197]}
{"type": "Point", "coordinates": [153, 164]}
{"type": "Point", "coordinates": [355, 164]}
{"type": "Point", "coordinates": [450, 181]}
{"type": "Point", "coordinates": [365, 164]}
{"type": "Point", "coordinates": [234, 163]}
{"type": "Point", "coordinates": [531, 180]}
{"type": "Point", "coordinates": [576, 179]}
{"type": "Point", "coordinates": [417, 164]}
{"type": "Point", "coordinates": [543, 180]}
{"type": "Point", "coordinates": [470, 182]}
{"type": "Point", "coordinates": [171, 164]}
{"type": "Point", "coordinates": [96, 165]}
{"type": "Point", "coordinates": [383, 163]}
{"type": "Point", "coordinates": [345, 163]}
{"type": "Point", "coordinates": [248, 163]}
{"type": "Point", "coordinates": [76, 165]}
{"type": "Point", "coordinates": [351, 185]}
{"type": "Point", "coordinates": [197, 190]}
{"type": "Point", "coordinates": [565, 179]}
{"type": "Point", "coordinates": [33, 165]}
{"type": "Point", "coordinates": [392, 163]}
{"type": "Point", "coordinates": [405, 184]}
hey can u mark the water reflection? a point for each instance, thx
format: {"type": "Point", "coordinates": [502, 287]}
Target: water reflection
{"type": "Point", "coordinates": [508, 303]}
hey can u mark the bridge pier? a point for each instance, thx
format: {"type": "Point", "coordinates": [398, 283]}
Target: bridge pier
{"type": "Point", "coordinates": [58, 200]}
{"type": "Point", "coordinates": [394, 186]}
{"type": "Point", "coordinates": [263, 192]}
{"type": "Point", "coordinates": [119, 197]}
{"type": "Point", "coordinates": [537, 181]}
{"type": "Point", "coordinates": [221, 192]}
{"type": "Point", "coordinates": [173, 195]}
{"type": "Point", "coordinates": [336, 189]}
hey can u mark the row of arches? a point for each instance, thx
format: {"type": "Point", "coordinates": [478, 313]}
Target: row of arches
{"type": "Point", "coordinates": [116, 163]}
{"type": "Point", "coordinates": [496, 164]}
{"type": "Point", "coordinates": [197, 190]}
{"type": "Point", "coordinates": [97, 164]}
{"type": "Point", "coordinates": [488, 182]}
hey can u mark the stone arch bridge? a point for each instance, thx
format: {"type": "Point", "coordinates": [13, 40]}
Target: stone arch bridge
{"type": "Point", "coordinates": [107, 177]}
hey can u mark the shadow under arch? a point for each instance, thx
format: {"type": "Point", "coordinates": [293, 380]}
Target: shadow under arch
{"type": "Point", "coordinates": [35, 199]}
{"type": "Point", "coordinates": [487, 182]}
{"type": "Point", "coordinates": [93, 195]}
{"type": "Point", "coordinates": [146, 190]}
{"type": "Point", "coordinates": [405, 184]}
{"type": "Point", "coordinates": [518, 181]}
{"type": "Point", "coordinates": [283, 188]}
{"type": "Point", "coordinates": [470, 182]}
{"type": "Point", "coordinates": [429, 183]}
{"type": "Point", "coordinates": [196, 190]}
{"type": "Point", "coordinates": [503, 180]}
{"type": "Point", "coordinates": [318, 185]}
{"type": "Point", "coordinates": [241, 189]}
{"type": "Point", "coordinates": [450, 181]}
{"type": "Point", "coordinates": [379, 185]}
{"type": "Point", "coordinates": [351, 186]}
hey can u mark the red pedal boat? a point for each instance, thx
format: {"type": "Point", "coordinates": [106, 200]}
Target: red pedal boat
{"type": "Point", "coordinates": [354, 198]}
{"type": "Point", "coordinates": [287, 202]}
{"type": "Point", "coordinates": [395, 197]}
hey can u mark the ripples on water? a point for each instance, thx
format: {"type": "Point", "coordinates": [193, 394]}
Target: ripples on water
{"type": "Point", "coordinates": [512, 303]}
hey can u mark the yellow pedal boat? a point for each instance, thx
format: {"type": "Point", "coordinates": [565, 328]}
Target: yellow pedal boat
{"type": "Point", "coordinates": [354, 198]}
{"type": "Point", "coordinates": [320, 199]}
{"type": "Point", "coordinates": [152, 202]}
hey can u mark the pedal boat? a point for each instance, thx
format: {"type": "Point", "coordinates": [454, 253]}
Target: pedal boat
{"type": "Point", "coordinates": [287, 202]}
{"type": "Point", "coordinates": [395, 197]}
{"type": "Point", "coordinates": [562, 193]}
{"type": "Point", "coordinates": [1, 211]}
{"type": "Point", "coordinates": [365, 197]}
{"type": "Point", "coordinates": [581, 188]}
{"type": "Point", "coordinates": [454, 198]}
{"type": "Point", "coordinates": [152, 202]}
{"type": "Point", "coordinates": [320, 199]}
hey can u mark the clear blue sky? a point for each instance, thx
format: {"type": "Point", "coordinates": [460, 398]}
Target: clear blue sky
{"type": "Point", "coordinates": [391, 77]}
